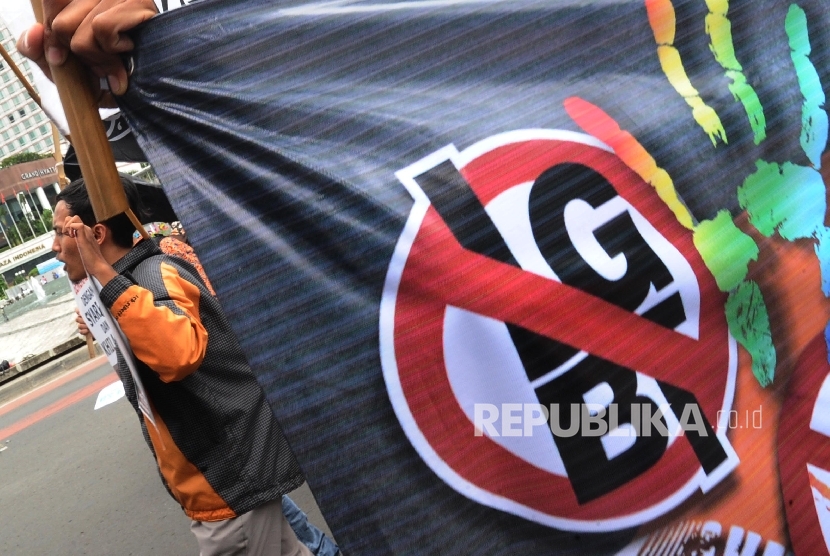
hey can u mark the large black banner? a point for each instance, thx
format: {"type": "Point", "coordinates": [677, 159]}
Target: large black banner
{"type": "Point", "coordinates": [521, 277]}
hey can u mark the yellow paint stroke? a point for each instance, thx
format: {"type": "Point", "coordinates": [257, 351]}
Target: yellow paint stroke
{"type": "Point", "coordinates": [662, 18]}
{"type": "Point", "coordinates": [719, 29]}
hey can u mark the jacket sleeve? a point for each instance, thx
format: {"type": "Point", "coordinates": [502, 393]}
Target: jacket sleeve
{"type": "Point", "coordinates": [166, 333]}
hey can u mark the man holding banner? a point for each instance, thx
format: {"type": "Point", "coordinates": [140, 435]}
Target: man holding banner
{"type": "Point", "coordinates": [220, 452]}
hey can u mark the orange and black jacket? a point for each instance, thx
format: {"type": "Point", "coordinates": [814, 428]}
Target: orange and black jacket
{"type": "Point", "coordinates": [219, 449]}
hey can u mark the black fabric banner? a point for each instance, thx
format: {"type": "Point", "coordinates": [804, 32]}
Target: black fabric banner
{"type": "Point", "coordinates": [448, 232]}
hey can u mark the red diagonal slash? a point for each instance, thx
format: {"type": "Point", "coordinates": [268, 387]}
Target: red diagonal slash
{"type": "Point", "coordinates": [557, 311]}
{"type": "Point", "coordinates": [581, 320]}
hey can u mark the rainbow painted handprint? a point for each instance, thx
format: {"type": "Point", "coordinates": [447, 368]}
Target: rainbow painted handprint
{"type": "Point", "coordinates": [784, 199]}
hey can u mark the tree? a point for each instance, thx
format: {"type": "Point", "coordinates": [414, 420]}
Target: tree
{"type": "Point", "coordinates": [14, 237]}
{"type": "Point", "coordinates": [23, 227]}
{"type": "Point", "coordinates": [38, 226]}
{"type": "Point", "coordinates": [22, 157]}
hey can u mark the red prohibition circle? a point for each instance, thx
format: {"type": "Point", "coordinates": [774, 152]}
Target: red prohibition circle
{"type": "Point", "coordinates": [438, 272]}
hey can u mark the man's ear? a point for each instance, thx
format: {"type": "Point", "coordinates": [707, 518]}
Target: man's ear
{"type": "Point", "coordinates": [100, 233]}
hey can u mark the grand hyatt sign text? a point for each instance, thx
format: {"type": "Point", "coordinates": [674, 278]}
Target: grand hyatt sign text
{"type": "Point", "coordinates": [38, 173]}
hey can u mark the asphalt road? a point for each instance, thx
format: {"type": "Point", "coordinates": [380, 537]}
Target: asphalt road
{"type": "Point", "coordinates": [80, 481]}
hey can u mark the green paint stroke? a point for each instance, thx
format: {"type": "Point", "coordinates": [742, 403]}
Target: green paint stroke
{"type": "Point", "coordinates": [813, 117]}
{"type": "Point", "coordinates": [813, 127]}
{"type": "Point", "coordinates": [748, 322]}
{"type": "Point", "coordinates": [719, 29]}
{"type": "Point", "coordinates": [725, 250]}
{"type": "Point", "coordinates": [823, 254]}
{"type": "Point", "coordinates": [786, 198]}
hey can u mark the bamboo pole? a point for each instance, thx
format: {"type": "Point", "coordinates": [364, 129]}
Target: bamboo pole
{"type": "Point", "coordinates": [63, 181]}
{"type": "Point", "coordinates": [29, 89]}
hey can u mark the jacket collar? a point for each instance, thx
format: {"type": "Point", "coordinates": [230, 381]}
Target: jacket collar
{"type": "Point", "coordinates": [142, 250]}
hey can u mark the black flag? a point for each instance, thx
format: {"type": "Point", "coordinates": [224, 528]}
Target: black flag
{"type": "Point", "coordinates": [517, 277]}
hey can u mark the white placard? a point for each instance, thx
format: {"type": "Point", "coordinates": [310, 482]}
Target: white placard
{"type": "Point", "coordinates": [109, 335]}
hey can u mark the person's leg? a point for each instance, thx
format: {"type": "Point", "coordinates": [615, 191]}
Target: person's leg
{"type": "Point", "coordinates": [263, 531]}
{"type": "Point", "coordinates": [215, 538]}
{"type": "Point", "coordinates": [269, 533]}
{"type": "Point", "coordinates": [307, 533]}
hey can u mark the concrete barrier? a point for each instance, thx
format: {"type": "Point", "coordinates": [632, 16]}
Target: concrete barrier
{"type": "Point", "coordinates": [41, 368]}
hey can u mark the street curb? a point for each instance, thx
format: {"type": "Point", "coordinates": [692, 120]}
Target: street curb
{"type": "Point", "coordinates": [34, 361]}
{"type": "Point", "coordinates": [25, 380]}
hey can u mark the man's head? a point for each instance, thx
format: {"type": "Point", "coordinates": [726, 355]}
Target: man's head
{"type": "Point", "coordinates": [113, 235]}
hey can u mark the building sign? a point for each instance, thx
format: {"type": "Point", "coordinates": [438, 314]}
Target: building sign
{"type": "Point", "coordinates": [32, 174]}
{"type": "Point", "coordinates": [38, 173]}
{"type": "Point", "coordinates": [25, 252]}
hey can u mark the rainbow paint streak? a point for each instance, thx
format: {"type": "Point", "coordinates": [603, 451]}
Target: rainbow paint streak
{"type": "Point", "coordinates": [663, 22]}
{"type": "Point", "coordinates": [785, 198]}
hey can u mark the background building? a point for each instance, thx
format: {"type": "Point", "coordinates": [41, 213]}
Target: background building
{"type": "Point", "coordinates": [27, 192]}
{"type": "Point", "coordinates": [28, 189]}
{"type": "Point", "coordinates": [23, 125]}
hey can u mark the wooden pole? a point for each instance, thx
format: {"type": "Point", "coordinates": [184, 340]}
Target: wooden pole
{"type": "Point", "coordinates": [90, 140]}
{"type": "Point", "coordinates": [91, 146]}
{"type": "Point", "coordinates": [90, 345]}
{"type": "Point", "coordinates": [63, 181]}
{"type": "Point", "coordinates": [26, 85]}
